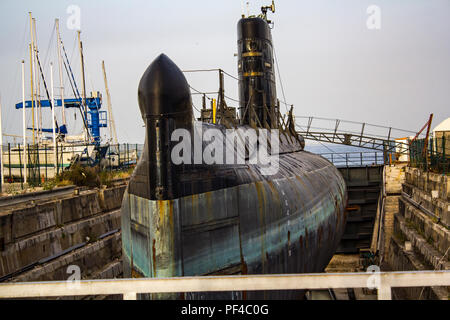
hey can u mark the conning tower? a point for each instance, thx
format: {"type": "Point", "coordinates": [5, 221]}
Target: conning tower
{"type": "Point", "coordinates": [257, 89]}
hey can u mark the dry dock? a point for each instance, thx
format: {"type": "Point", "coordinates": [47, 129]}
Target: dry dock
{"type": "Point", "coordinates": [398, 218]}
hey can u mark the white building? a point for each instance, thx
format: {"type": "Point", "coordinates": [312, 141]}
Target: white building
{"type": "Point", "coordinates": [440, 131]}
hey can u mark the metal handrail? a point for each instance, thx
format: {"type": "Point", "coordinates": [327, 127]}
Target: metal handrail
{"type": "Point", "coordinates": [129, 288]}
{"type": "Point", "coordinates": [364, 126]}
{"type": "Point", "coordinates": [349, 159]}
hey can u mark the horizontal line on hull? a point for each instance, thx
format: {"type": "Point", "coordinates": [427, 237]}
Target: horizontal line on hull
{"type": "Point", "coordinates": [212, 225]}
{"type": "Point", "coordinates": [230, 270]}
{"type": "Point", "coordinates": [139, 228]}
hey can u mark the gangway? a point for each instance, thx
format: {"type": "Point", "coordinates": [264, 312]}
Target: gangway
{"type": "Point", "coordinates": [356, 134]}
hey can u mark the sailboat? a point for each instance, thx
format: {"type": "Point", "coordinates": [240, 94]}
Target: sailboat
{"type": "Point", "coordinates": [50, 150]}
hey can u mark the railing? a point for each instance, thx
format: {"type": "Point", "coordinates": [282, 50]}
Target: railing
{"type": "Point", "coordinates": [351, 133]}
{"type": "Point", "coordinates": [360, 129]}
{"type": "Point", "coordinates": [433, 154]}
{"type": "Point", "coordinates": [354, 159]}
{"type": "Point", "coordinates": [129, 288]}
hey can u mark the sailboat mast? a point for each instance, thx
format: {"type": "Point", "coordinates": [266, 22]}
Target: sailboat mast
{"type": "Point", "coordinates": [83, 84]}
{"type": "Point", "coordinates": [38, 85]}
{"type": "Point", "coordinates": [61, 85]}
{"type": "Point", "coordinates": [53, 117]}
{"type": "Point", "coordinates": [35, 80]}
{"type": "Point", "coordinates": [24, 124]}
{"type": "Point", "coordinates": [31, 72]}
{"type": "Point", "coordinates": [112, 127]}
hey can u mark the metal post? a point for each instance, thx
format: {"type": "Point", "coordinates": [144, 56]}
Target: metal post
{"type": "Point", "coordinates": [20, 167]}
{"type": "Point", "coordinates": [28, 160]}
{"type": "Point", "coordinates": [39, 165]}
{"type": "Point", "coordinates": [9, 161]}
{"type": "Point", "coordinates": [214, 110]}
{"type": "Point", "coordinates": [45, 163]}
{"type": "Point", "coordinates": [1, 150]}
{"type": "Point", "coordinates": [109, 157]}
{"type": "Point", "coordinates": [128, 156]}
{"type": "Point", "coordinates": [57, 166]}
{"type": "Point", "coordinates": [362, 133]}
{"type": "Point", "coordinates": [444, 157]}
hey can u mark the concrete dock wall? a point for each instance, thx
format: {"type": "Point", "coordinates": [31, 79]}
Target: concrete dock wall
{"type": "Point", "coordinates": [421, 236]}
{"type": "Point", "coordinates": [431, 191]}
{"type": "Point", "coordinates": [33, 234]}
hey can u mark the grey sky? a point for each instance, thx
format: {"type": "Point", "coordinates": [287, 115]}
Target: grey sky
{"type": "Point", "coordinates": [331, 64]}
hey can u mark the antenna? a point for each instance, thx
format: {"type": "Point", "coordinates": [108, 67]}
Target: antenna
{"type": "Point", "coordinates": [242, 9]}
{"type": "Point", "coordinates": [264, 11]}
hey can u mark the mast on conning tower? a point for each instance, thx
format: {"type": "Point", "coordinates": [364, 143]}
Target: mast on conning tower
{"type": "Point", "coordinates": [264, 9]}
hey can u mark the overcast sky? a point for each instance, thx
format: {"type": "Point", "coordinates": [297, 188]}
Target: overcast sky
{"type": "Point", "coordinates": [331, 64]}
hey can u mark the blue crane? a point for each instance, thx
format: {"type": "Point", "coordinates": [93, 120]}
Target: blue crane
{"type": "Point", "coordinates": [96, 119]}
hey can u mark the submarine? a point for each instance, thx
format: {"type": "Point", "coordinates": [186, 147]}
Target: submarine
{"type": "Point", "coordinates": [189, 212]}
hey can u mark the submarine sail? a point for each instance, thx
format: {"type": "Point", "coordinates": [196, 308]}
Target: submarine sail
{"type": "Point", "coordinates": [256, 72]}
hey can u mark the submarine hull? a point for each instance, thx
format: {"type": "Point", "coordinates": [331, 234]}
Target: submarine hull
{"type": "Point", "coordinates": [230, 219]}
{"type": "Point", "coordinates": [200, 217]}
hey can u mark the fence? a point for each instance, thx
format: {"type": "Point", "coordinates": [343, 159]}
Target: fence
{"type": "Point", "coordinates": [41, 164]}
{"type": "Point", "coordinates": [122, 156]}
{"type": "Point", "coordinates": [129, 288]}
{"type": "Point", "coordinates": [354, 159]}
{"type": "Point", "coordinates": [436, 157]}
